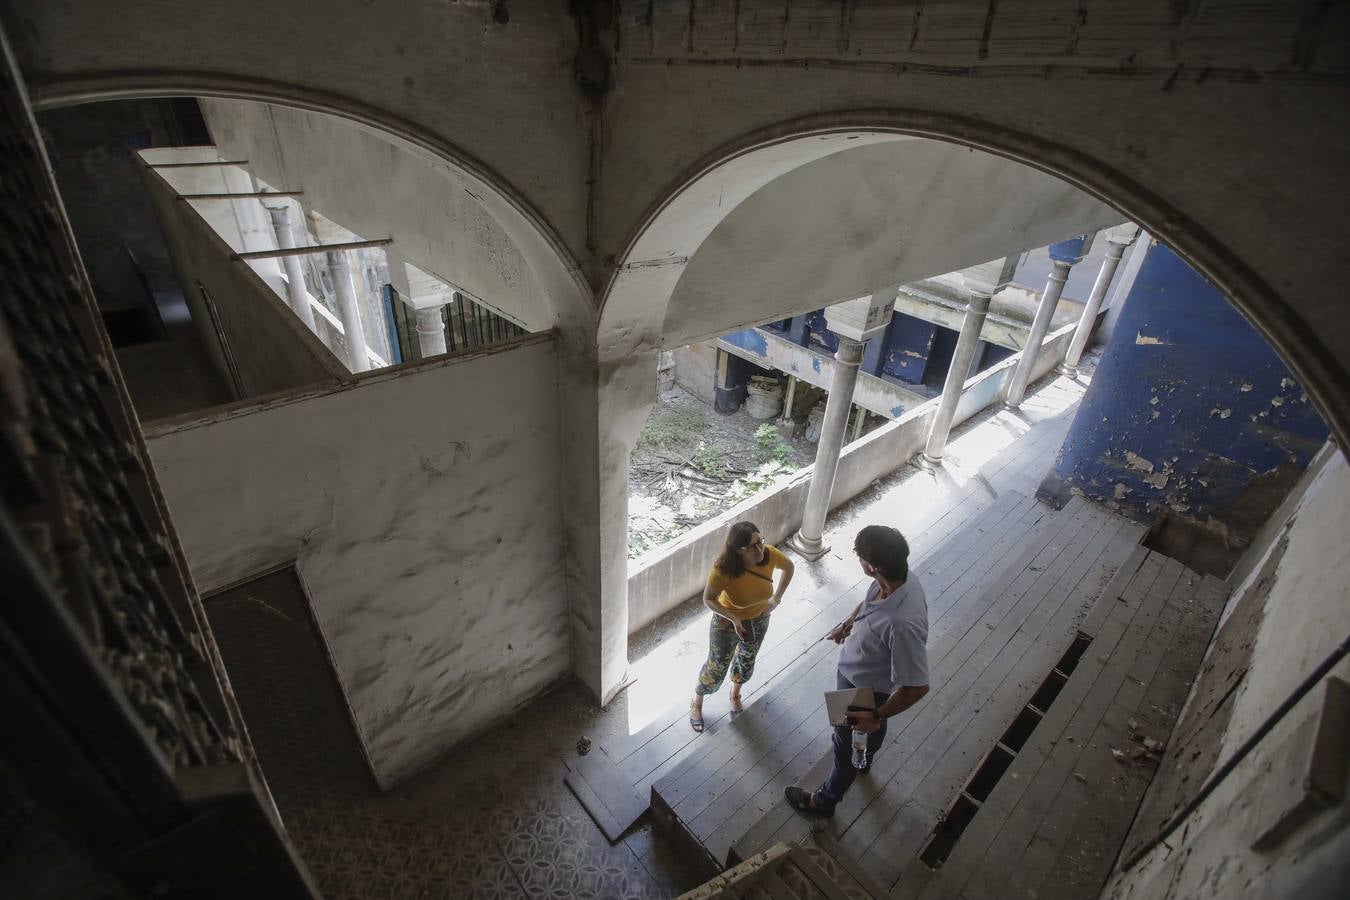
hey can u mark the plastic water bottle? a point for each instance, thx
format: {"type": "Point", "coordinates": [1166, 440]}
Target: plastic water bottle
{"type": "Point", "coordinates": [859, 749]}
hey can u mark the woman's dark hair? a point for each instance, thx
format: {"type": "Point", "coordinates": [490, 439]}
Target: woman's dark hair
{"type": "Point", "coordinates": [738, 538]}
{"type": "Point", "coordinates": [886, 549]}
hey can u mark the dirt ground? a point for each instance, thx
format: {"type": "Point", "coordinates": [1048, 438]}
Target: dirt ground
{"type": "Point", "coordinates": [692, 463]}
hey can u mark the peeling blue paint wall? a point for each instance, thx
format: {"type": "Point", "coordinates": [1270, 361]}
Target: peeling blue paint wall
{"type": "Point", "coordinates": [907, 348]}
{"type": "Point", "coordinates": [817, 336]}
{"type": "Point", "coordinates": [749, 339]}
{"type": "Point", "coordinates": [1189, 411]}
{"type": "Point", "coordinates": [910, 350]}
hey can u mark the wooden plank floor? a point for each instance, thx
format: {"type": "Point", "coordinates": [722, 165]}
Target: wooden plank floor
{"type": "Point", "coordinates": [720, 784]}
{"type": "Point", "coordinates": [1053, 823]}
{"type": "Point", "coordinates": [653, 751]}
{"type": "Point", "coordinates": [1009, 594]}
{"type": "Point", "coordinates": [989, 648]}
{"type": "Point", "coordinates": [990, 508]}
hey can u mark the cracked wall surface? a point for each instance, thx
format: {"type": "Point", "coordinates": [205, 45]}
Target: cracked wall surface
{"type": "Point", "coordinates": [421, 509]}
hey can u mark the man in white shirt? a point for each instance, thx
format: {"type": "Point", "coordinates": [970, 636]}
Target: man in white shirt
{"type": "Point", "coordinates": [884, 648]}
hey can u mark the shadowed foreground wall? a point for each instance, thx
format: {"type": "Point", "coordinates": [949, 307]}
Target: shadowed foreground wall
{"type": "Point", "coordinates": [1190, 412]}
{"type": "Point", "coordinates": [1288, 611]}
{"type": "Point", "coordinates": [421, 509]}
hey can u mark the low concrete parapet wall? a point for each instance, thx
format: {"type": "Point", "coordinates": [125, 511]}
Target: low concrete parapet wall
{"type": "Point", "coordinates": [665, 577]}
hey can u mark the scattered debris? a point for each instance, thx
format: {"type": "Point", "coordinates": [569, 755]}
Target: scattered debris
{"type": "Point", "coordinates": [1151, 748]}
{"type": "Point", "coordinates": [690, 464]}
{"type": "Point", "coordinates": [583, 746]}
{"type": "Point", "coordinates": [1080, 776]}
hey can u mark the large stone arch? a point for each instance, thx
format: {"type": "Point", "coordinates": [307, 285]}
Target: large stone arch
{"type": "Point", "coordinates": [559, 275]}
{"type": "Point", "coordinates": [634, 303]}
{"type": "Point", "coordinates": [1225, 150]}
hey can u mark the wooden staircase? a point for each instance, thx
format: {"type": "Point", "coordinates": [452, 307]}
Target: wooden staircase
{"type": "Point", "coordinates": [813, 869]}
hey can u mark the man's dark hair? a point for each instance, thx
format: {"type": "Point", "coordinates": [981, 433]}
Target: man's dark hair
{"type": "Point", "coordinates": [886, 549]}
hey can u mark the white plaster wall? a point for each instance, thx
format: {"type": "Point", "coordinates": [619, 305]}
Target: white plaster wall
{"type": "Point", "coordinates": [377, 189]}
{"type": "Point", "coordinates": [887, 213]}
{"type": "Point", "coordinates": [421, 508]}
{"type": "Point", "coordinates": [696, 370]}
{"type": "Point", "coordinates": [1307, 613]}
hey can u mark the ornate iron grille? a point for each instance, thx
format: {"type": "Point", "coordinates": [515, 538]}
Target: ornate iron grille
{"type": "Point", "coordinates": [74, 474]}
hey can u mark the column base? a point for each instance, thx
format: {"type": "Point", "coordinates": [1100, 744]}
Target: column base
{"type": "Point", "coordinates": [1067, 371]}
{"type": "Point", "coordinates": [927, 463]}
{"type": "Point", "coordinates": [1012, 407]}
{"type": "Point", "coordinates": [811, 548]}
{"type": "Point", "coordinates": [628, 680]}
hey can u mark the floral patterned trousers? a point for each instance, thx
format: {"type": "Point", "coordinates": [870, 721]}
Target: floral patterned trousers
{"type": "Point", "coordinates": [727, 651]}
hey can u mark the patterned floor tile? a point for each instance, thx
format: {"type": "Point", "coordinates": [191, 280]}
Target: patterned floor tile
{"type": "Point", "coordinates": [471, 827]}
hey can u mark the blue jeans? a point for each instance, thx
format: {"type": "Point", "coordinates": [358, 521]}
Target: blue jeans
{"type": "Point", "coordinates": [843, 773]}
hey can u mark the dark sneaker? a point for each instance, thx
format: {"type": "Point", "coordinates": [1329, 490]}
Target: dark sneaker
{"type": "Point", "coordinates": [802, 802]}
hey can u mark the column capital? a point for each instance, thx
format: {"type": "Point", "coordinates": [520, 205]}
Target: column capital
{"type": "Point", "coordinates": [1124, 235]}
{"type": "Point", "coordinates": [862, 317]}
{"type": "Point", "coordinates": [1071, 252]}
{"type": "Point", "coordinates": [989, 278]}
{"type": "Point", "coordinates": [850, 351]}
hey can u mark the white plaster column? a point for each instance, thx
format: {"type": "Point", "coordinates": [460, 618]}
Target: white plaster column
{"type": "Point", "coordinates": [255, 232]}
{"type": "Point", "coordinates": [604, 405]}
{"type": "Point", "coordinates": [296, 295]}
{"type": "Point", "coordinates": [353, 331]}
{"type": "Point", "coordinates": [1063, 256]}
{"type": "Point", "coordinates": [430, 331]}
{"type": "Point", "coordinates": [788, 398]}
{"type": "Point", "coordinates": [983, 282]}
{"type": "Point", "coordinates": [1118, 240]}
{"type": "Point", "coordinates": [853, 322]}
{"type": "Point", "coordinates": [808, 541]}
{"type": "Point", "coordinates": [859, 419]}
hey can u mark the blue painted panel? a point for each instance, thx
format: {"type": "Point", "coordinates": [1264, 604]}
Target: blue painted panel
{"type": "Point", "coordinates": [909, 342]}
{"type": "Point", "coordinates": [750, 340]}
{"type": "Point", "coordinates": [873, 350]}
{"type": "Point", "coordinates": [387, 295]}
{"type": "Point", "coordinates": [1070, 251]}
{"type": "Point", "coordinates": [819, 337]}
{"type": "Point", "coordinates": [940, 357]}
{"type": "Point", "coordinates": [1188, 407]}
{"type": "Point", "coordinates": [991, 355]}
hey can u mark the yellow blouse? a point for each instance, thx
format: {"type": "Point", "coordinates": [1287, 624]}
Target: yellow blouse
{"type": "Point", "coordinates": [747, 595]}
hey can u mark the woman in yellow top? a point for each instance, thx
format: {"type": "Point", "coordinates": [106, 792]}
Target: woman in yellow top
{"type": "Point", "coordinates": [741, 595]}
